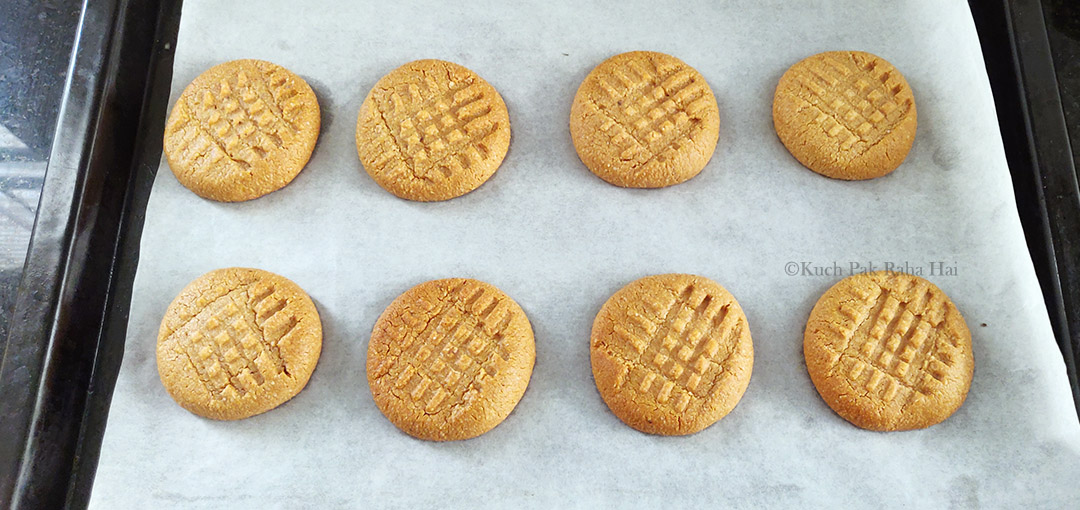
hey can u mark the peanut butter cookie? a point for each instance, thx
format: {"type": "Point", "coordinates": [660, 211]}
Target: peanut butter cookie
{"type": "Point", "coordinates": [449, 359]}
{"type": "Point", "coordinates": [238, 342]}
{"type": "Point", "coordinates": [241, 129]}
{"type": "Point", "coordinates": [888, 351]}
{"type": "Point", "coordinates": [644, 120]}
{"type": "Point", "coordinates": [845, 114]}
{"type": "Point", "coordinates": [671, 354]}
{"type": "Point", "coordinates": [432, 130]}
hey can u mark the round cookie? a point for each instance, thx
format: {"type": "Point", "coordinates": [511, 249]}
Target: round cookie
{"type": "Point", "coordinates": [432, 130]}
{"type": "Point", "coordinates": [449, 359]}
{"type": "Point", "coordinates": [238, 342]}
{"type": "Point", "coordinates": [240, 130]}
{"type": "Point", "coordinates": [888, 351]}
{"type": "Point", "coordinates": [644, 120]}
{"type": "Point", "coordinates": [671, 354]}
{"type": "Point", "coordinates": [845, 114]}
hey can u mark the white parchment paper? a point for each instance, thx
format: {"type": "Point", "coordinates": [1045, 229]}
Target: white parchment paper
{"type": "Point", "coordinates": [560, 241]}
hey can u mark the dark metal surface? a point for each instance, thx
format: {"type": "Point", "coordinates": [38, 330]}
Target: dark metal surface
{"type": "Point", "coordinates": [1021, 70]}
{"type": "Point", "coordinates": [35, 49]}
{"type": "Point", "coordinates": [1063, 29]}
{"type": "Point", "coordinates": [73, 299]}
{"type": "Point", "coordinates": [145, 159]}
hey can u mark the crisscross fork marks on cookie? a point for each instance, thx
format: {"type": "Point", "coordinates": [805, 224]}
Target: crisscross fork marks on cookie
{"type": "Point", "coordinates": [891, 346]}
{"type": "Point", "coordinates": [243, 117]}
{"type": "Point", "coordinates": [266, 308]}
{"type": "Point", "coordinates": [454, 353]}
{"type": "Point", "coordinates": [283, 92]}
{"type": "Point", "coordinates": [434, 130]}
{"type": "Point", "coordinates": [227, 345]}
{"type": "Point", "coordinates": [675, 354]}
{"type": "Point", "coordinates": [647, 114]}
{"type": "Point", "coordinates": [855, 103]}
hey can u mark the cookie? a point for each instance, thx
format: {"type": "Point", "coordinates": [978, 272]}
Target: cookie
{"type": "Point", "coordinates": [644, 120]}
{"type": "Point", "coordinates": [240, 130]}
{"type": "Point", "coordinates": [238, 342]}
{"type": "Point", "coordinates": [845, 114]}
{"type": "Point", "coordinates": [888, 351]}
{"type": "Point", "coordinates": [449, 359]}
{"type": "Point", "coordinates": [432, 130]}
{"type": "Point", "coordinates": [671, 354]}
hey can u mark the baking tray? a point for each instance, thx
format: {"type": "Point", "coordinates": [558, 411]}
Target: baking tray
{"type": "Point", "coordinates": [63, 354]}
{"type": "Point", "coordinates": [1021, 71]}
{"type": "Point", "coordinates": [754, 209]}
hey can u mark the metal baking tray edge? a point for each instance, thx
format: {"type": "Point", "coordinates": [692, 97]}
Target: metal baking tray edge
{"type": "Point", "coordinates": [1021, 70]}
{"type": "Point", "coordinates": [67, 332]}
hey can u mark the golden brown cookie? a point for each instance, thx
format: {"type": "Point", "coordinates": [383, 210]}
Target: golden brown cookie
{"type": "Point", "coordinates": [644, 120]}
{"type": "Point", "coordinates": [241, 129]}
{"type": "Point", "coordinates": [671, 354]}
{"type": "Point", "coordinates": [449, 359]}
{"type": "Point", "coordinates": [238, 342]}
{"type": "Point", "coordinates": [888, 351]}
{"type": "Point", "coordinates": [432, 130]}
{"type": "Point", "coordinates": [845, 114]}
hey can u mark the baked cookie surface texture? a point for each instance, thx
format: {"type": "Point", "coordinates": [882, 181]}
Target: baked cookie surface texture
{"type": "Point", "coordinates": [845, 114]}
{"type": "Point", "coordinates": [237, 342]}
{"type": "Point", "coordinates": [888, 351]}
{"type": "Point", "coordinates": [450, 359]}
{"type": "Point", "coordinates": [644, 120]}
{"type": "Point", "coordinates": [671, 354]}
{"type": "Point", "coordinates": [432, 130]}
{"type": "Point", "coordinates": [241, 129]}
